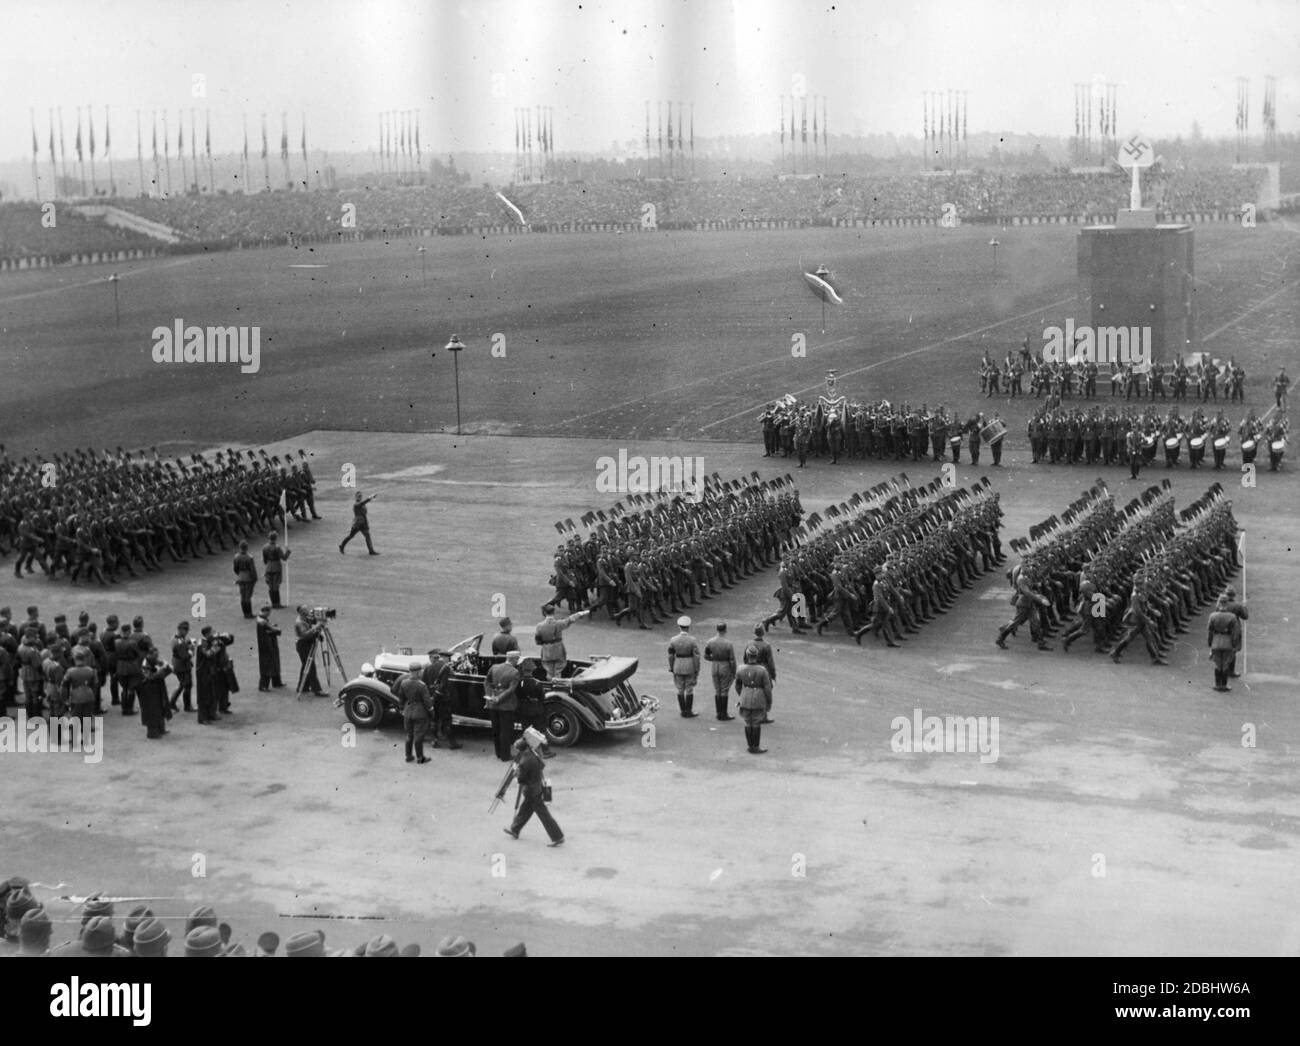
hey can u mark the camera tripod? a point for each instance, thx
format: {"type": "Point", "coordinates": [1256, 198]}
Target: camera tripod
{"type": "Point", "coordinates": [324, 645]}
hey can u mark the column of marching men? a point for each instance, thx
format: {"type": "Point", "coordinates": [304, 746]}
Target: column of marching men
{"type": "Point", "coordinates": [890, 559]}
{"type": "Point", "coordinates": [664, 553]}
{"type": "Point", "coordinates": [880, 431]}
{"type": "Point", "coordinates": [99, 514]}
{"type": "Point", "coordinates": [1141, 572]}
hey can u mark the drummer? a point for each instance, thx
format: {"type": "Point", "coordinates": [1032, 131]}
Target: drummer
{"type": "Point", "coordinates": [1173, 437]}
{"type": "Point", "coordinates": [1249, 433]}
{"type": "Point", "coordinates": [1196, 439]}
{"type": "Point", "coordinates": [1220, 430]}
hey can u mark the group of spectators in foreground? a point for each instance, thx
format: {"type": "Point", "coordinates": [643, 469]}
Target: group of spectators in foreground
{"type": "Point", "coordinates": [92, 928]}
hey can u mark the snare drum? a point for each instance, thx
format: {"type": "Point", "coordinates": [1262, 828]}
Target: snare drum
{"type": "Point", "coordinates": [1247, 445]}
{"type": "Point", "coordinates": [1197, 442]}
{"type": "Point", "coordinates": [1221, 443]}
{"type": "Point", "coordinates": [955, 440]}
{"type": "Point", "coordinates": [1173, 442]}
{"type": "Point", "coordinates": [1148, 441]}
{"type": "Point", "coordinates": [1277, 446]}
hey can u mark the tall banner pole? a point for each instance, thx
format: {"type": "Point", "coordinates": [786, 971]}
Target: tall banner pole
{"type": "Point", "coordinates": [1241, 554]}
{"type": "Point", "coordinates": [284, 516]}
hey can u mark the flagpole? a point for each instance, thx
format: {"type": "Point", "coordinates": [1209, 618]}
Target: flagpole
{"type": "Point", "coordinates": [284, 515]}
{"type": "Point", "coordinates": [1241, 552]}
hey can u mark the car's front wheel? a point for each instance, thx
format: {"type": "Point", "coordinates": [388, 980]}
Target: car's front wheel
{"type": "Point", "coordinates": [364, 709]}
{"type": "Point", "coordinates": [563, 727]}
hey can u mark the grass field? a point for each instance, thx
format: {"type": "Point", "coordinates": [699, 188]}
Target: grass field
{"type": "Point", "coordinates": [620, 336]}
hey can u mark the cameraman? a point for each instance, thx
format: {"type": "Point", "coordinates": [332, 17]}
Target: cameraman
{"type": "Point", "coordinates": [307, 629]}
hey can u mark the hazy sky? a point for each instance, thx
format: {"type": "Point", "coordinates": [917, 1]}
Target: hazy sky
{"type": "Point", "coordinates": [466, 66]}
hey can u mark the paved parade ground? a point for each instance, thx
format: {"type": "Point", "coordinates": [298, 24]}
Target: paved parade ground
{"type": "Point", "coordinates": [1130, 809]}
{"type": "Point", "coordinates": [1123, 815]}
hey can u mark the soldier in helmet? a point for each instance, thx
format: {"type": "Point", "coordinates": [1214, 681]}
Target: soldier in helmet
{"type": "Point", "coordinates": [755, 688]}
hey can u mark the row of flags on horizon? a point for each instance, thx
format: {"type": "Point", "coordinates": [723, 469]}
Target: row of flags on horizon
{"type": "Point", "coordinates": [399, 139]}
{"type": "Point", "coordinates": [84, 147]}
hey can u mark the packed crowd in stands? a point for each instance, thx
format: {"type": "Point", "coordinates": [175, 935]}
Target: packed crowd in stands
{"type": "Point", "coordinates": [24, 235]}
{"type": "Point", "coordinates": [278, 217]}
{"type": "Point", "coordinates": [89, 928]}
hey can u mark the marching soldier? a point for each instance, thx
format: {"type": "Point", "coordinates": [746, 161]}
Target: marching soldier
{"type": "Point", "coordinates": [1026, 600]}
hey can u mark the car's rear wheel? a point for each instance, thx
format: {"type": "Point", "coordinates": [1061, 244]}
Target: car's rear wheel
{"type": "Point", "coordinates": [563, 727]}
{"type": "Point", "coordinates": [364, 709]}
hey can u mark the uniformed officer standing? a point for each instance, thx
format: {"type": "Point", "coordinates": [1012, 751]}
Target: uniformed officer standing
{"type": "Point", "coordinates": [413, 699]}
{"type": "Point", "coordinates": [1223, 632]}
{"type": "Point", "coordinates": [504, 641]}
{"type": "Point", "coordinates": [437, 677]}
{"type": "Point", "coordinates": [719, 652]}
{"type": "Point", "coordinates": [501, 692]}
{"type": "Point", "coordinates": [755, 688]}
{"type": "Point", "coordinates": [763, 650]}
{"type": "Point", "coordinates": [245, 578]}
{"type": "Point", "coordinates": [1239, 611]}
{"type": "Point", "coordinates": [360, 523]}
{"type": "Point", "coordinates": [684, 664]}
{"type": "Point", "coordinates": [274, 558]}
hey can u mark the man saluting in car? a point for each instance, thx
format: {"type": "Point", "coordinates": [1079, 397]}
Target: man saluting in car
{"type": "Point", "coordinates": [547, 636]}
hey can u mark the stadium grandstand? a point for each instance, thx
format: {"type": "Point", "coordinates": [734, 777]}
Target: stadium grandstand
{"type": "Point", "coordinates": [238, 220]}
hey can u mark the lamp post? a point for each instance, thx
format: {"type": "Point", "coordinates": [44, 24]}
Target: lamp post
{"type": "Point", "coordinates": [421, 251]}
{"type": "Point", "coordinates": [117, 315]}
{"type": "Point", "coordinates": [455, 346]}
{"type": "Point", "coordinates": [995, 245]}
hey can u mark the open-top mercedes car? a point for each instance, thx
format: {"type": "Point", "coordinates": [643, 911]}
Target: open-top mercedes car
{"type": "Point", "coordinates": [590, 694]}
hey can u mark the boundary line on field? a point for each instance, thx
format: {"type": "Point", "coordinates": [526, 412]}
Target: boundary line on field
{"type": "Point", "coordinates": [1241, 316]}
{"type": "Point", "coordinates": [902, 356]}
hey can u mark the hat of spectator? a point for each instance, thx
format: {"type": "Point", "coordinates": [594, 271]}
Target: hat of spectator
{"type": "Point", "coordinates": [137, 622]}
{"type": "Point", "coordinates": [34, 932]}
{"type": "Point", "coordinates": [266, 608]}
{"type": "Point", "coordinates": [683, 622]}
{"type": "Point", "coordinates": [235, 951]}
{"type": "Point", "coordinates": [518, 951]}
{"type": "Point", "coordinates": [267, 944]}
{"type": "Point", "coordinates": [505, 624]}
{"type": "Point", "coordinates": [203, 915]}
{"type": "Point", "coordinates": [203, 942]}
{"type": "Point", "coordinates": [95, 906]}
{"type": "Point", "coordinates": [60, 619]}
{"type": "Point", "coordinates": [112, 619]}
{"type": "Point", "coordinates": [456, 947]}
{"type": "Point", "coordinates": [99, 936]}
{"type": "Point", "coordinates": [758, 631]}
{"type": "Point", "coordinates": [382, 946]}
{"type": "Point", "coordinates": [83, 618]}
{"type": "Point", "coordinates": [512, 656]}
{"type": "Point", "coordinates": [410, 951]}
{"type": "Point", "coordinates": [20, 902]}
{"type": "Point", "coordinates": [150, 938]}
{"type": "Point", "coordinates": [306, 944]}
{"type": "Point", "coordinates": [137, 915]}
